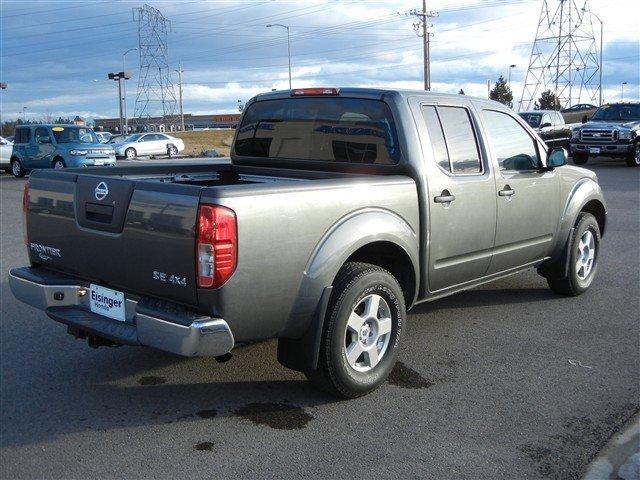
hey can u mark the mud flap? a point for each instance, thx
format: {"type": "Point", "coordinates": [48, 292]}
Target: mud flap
{"type": "Point", "coordinates": [301, 354]}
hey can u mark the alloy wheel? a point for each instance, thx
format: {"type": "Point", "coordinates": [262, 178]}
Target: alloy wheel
{"type": "Point", "coordinates": [368, 333]}
{"type": "Point", "coordinates": [586, 255]}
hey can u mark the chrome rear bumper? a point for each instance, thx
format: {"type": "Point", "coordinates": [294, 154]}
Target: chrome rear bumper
{"type": "Point", "coordinates": [68, 303]}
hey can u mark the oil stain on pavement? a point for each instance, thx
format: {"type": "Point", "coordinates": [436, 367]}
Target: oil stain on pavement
{"type": "Point", "coordinates": [152, 380]}
{"type": "Point", "coordinates": [203, 446]}
{"type": "Point", "coordinates": [275, 415]}
{"type": "Point", "coordinates": [405, 377]}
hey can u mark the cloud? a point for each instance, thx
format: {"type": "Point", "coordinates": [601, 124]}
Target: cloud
{"type": "Point", "coordinates": [51, 60]}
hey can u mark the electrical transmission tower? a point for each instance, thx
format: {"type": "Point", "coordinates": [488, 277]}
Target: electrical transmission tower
{"type": "Point", "coordinates": [564, 57]}
{"type": "Point", "coordinates": [156, 96]}
{"type": "Point", "coordinates": [422, 29]}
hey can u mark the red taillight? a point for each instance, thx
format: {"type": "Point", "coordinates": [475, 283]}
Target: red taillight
{"type": "Point", "coordinates": [25, 209]}
{"type": "Point", "coordinates": [301, 92]}
{"type": "Point", "coordinates": [216, 245]}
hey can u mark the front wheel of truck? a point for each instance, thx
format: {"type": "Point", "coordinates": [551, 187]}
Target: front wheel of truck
{"type": "Point", "coordinates": [580, 158]}
{"type": "Point", "coordinates": [362, 332]}
{"type": "Point", "coordinates": [577, 276]}
{"type": "Point", "coordinates": [633, 160]}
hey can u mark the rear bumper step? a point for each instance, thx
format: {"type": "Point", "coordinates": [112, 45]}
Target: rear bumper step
{"type": "Point", "coordinates": [66, 301]}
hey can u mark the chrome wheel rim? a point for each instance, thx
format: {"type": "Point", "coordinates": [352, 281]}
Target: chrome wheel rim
{"type": "Point", "coordinates": [15, 168]}
{"type": "Point", "coordinates": [130, 153]}
{"type": "Point", "coordinates": [586, 255]}
{"type": "Point", "coordinates": [58, 164]}
{"type": "Point", "coordinates": [368, 333]}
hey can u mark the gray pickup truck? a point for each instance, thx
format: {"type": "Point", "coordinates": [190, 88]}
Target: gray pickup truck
{"type": "Point", "coordinates": [340, 210]}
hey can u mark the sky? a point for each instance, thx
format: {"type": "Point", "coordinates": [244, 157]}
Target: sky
{"type": "Point", "coordinates": [55, 55]}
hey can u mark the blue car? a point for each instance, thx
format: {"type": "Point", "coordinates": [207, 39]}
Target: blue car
{"type": "Point", "coordinates": [57, 146]}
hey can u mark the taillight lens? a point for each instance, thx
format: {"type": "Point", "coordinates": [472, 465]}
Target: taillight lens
{"type": "Point", "coordinates": [25, 210]}
{"type": "Point", "coordinates": [216, 245]}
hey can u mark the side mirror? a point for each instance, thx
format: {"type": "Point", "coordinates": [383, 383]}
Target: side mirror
{"type": "Point", "coordinates": [585, 119]}
{"type": "Point", "coordinates": [545, 125]}
{"type": "Point", "coordinates": [557, 158]}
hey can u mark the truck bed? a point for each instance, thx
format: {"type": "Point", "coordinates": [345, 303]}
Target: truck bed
{"type": "Point", "coordinates": [140, 237]}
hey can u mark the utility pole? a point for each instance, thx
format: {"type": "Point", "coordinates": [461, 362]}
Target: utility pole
{"type": "Point", "coordinates": [622, 91]}
{"type": "Point", "coordinates": [422, 29]}
{"type": "Point", "coordinates": [180, 72]}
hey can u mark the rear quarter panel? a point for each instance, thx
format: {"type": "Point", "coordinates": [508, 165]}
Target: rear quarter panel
{"type": "Point", "coordinates": [279, 229]}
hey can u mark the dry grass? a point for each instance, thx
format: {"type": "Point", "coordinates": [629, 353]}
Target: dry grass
{"type": "Point", "coordinates": [195, 143]}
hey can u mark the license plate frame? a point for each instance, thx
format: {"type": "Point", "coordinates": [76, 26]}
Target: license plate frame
{"type": "Point", "coordinates": [107, 302]}
{"type": "Point", "coordinates": [98, 162]}
{"type": "Point", "coordinates": [594, 150]}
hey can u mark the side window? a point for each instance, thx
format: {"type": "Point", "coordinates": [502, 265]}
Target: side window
{"type": "Point", "coordinates": [42, 135]}
{"type": "Point", "coordinates": [23, 135]}
{"type": "Point", "coordinates": [513, 147]}
{"type": "Point", "coordinates": [437, 137]}
{"type": "Point", "coordinates": [147, 138]}
{"type": "Point", "coordinates": [559, 119]}
{"type": "Point", "coordinates": [545, 119]}
{"type": "Point", "coordinates": [461, 140]}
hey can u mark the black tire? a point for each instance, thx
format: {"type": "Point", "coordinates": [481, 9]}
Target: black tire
{"type": "Point", "coordinates": [58, 161]}
{"type": "Point", "coordinates": [633, 160]}
{"type": "Point", "coordinates": [130, 153]}
{"type": "Point", "coordinates": [353, 284]}
{"type": "Point", "coordinates": [572, 284]}
{"type": "Point", "coordinates": [16, 168]}
{"type": "Point", "coordinates": [580, 158]}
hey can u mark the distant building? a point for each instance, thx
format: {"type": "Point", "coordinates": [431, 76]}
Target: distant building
{"type": "Point", "coordinates": [154, 124]}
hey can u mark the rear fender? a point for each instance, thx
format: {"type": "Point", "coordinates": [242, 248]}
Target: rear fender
{"type": "Point", "coordinates": [298, 343]}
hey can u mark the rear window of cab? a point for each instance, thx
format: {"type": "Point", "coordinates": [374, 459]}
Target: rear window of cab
{"type": "Point", "coordinates": [348, 130]}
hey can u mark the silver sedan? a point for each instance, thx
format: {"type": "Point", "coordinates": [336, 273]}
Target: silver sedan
{"type": "Point", "coordinates": [141, 144]}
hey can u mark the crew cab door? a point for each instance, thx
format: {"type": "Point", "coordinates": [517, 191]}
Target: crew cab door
{"type": "Point", "coordinates": [461, 202]}
{"type": "Point", "coordinates": [528, 198]}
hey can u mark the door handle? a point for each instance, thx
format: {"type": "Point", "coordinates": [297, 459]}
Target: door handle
{"type": "Point", "coordinates": [507, 191]}
{"type": "Point", "coordinates": [444, 197]}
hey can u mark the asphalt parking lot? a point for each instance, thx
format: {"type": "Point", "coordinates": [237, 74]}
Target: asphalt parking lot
{"type": "Point", "coordinates": [505, 381]}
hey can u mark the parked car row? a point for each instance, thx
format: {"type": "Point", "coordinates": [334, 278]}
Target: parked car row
{"type": "Point", "coordinates": [613, 131]}
{"type": "Point", "coordinates": [71, 146]}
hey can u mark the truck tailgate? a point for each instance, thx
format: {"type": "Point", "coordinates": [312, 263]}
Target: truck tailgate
{"type": "Point", "coordinates": [129, 235]}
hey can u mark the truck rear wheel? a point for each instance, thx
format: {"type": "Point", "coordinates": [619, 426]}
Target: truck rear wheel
{"type": "Point", "coordinates": [580, 158]}
{"type": "Point", "coordinates": [583, 259]}
{"type": "Point", "coordinates": [362, 331]}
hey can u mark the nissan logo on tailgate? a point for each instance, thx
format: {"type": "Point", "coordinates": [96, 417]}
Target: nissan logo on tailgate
{"type": "Point", "coordinates": [101, 191]}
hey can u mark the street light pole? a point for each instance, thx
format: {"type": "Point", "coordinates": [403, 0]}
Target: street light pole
{"type": "Point", "coordinates": [622, 92]}
{"type": "Point", "coordinates": [3, 86]}
{"type": "Point", "coordinates": [509, 76]}
{"type": "Point", "coordinates": [24, 114]}
{"type": "Point", "coordinates": [124, 88]}
{"type": "Point", "coordinates": [119, 77]}
{"type": "Point", "coordinates": [288, 45]}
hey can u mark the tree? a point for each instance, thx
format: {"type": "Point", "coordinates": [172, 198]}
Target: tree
{"type": "Point", "coordinates": [548, 101]}
{"type": "Point", "coordinates": [461, 92]}
{"type": "Point", "coordinates": [501, 92]}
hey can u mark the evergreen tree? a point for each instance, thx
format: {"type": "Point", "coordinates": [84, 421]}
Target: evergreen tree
{"type": "Point", "coordinates": [501, 92]}
{"type": "Point", "coordinates": [548, 101]}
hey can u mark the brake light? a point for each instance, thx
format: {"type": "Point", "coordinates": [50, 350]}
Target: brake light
{"type": "Point", "coordinates": [216, 245]}
{"type": "Point", "coordinates": [301, 92]}
{"type": "Point", "coordinates": [25, 210]}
